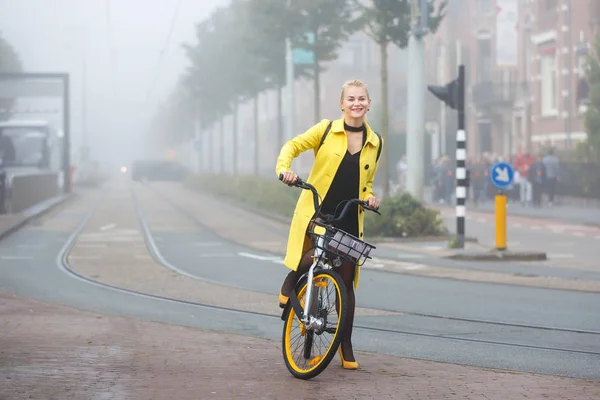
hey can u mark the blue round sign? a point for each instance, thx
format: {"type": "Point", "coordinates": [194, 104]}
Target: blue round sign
{"type": "Point", "coordinates": [502, 175]}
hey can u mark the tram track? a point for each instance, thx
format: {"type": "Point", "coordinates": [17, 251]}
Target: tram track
{"type": "Point", "coordinates": [154, 251]}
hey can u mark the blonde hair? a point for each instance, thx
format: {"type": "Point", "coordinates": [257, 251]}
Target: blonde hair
{"type": "Point", "coordinates": [355, 83]}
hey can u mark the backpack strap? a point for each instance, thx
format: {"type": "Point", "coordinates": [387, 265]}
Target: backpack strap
{"type": "Point", "coordinates": [378, 147]}
{"type": "Point", "coordinates": [325, 135]}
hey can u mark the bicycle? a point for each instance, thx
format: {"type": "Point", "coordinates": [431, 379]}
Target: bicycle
{"type": "Point", "coordinates": [332, 246]}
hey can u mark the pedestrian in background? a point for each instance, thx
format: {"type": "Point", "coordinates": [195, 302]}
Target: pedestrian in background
{"type": "Point", "coordinates": [552, 167]}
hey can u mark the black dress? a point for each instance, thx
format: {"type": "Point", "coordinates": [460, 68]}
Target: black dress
{"type": "Point", "coordinates": [343, 188]}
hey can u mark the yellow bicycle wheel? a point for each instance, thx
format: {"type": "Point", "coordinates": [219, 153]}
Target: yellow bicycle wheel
{"type": "Point", "coordinates": [307, 352]}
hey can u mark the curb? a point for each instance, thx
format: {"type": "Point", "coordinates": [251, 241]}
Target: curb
{"type": "Point", "coordinates": [34, 212]}
{"type": "Point", "coordinates": [497, 255]}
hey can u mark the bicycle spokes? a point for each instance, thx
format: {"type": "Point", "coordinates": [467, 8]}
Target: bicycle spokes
{"type": "Point", "coordinates": [307, 346]}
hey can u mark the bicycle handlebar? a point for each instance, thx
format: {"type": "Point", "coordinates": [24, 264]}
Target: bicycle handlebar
{"type": "Point", "coordinates": [305, 185]}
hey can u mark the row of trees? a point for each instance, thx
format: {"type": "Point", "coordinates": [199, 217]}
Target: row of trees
{"type": "Point", "coordinates": [240, 52]}
{"type": "Point", "coordinates": [9, 62]}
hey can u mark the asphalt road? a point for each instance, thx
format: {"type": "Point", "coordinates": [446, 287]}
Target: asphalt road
{"type": "Point", "coordinates": [479, 324]}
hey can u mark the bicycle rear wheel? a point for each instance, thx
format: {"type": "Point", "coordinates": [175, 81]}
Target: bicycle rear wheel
{"type": "Point", "coordinates": [307, 352]}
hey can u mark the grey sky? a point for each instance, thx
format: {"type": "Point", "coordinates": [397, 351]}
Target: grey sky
{"type": "Point", "coordinates": [65, 35]}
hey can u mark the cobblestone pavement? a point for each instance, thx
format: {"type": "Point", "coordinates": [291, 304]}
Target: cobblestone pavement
{"type": "Point", "coordinates": [57, 352]}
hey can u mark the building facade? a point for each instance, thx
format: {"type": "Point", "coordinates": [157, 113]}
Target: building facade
{"type": "Point", "coordinates": [524, 61]}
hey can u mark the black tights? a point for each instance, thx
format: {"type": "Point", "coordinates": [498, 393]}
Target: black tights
{"type": "Point", "coordinates": [346, 272]}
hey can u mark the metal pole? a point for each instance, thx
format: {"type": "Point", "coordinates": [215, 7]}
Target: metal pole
{"type": "Point", "coordinates": [568, 69]}
{"type": "Point", "coordinates": [442, 78]}
{"type": "Point", "coordinates": [461, 155]}
{"type": "Point", "coordinates": [289, 70]}
{"type": "Point", "coordinates": [415, 144]}
{"type": "Point", "coordinates": [197, 139]}
{"type": "Point", "coordinates": [66, 136]}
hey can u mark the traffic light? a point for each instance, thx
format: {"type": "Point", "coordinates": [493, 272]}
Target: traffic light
{"type": "Point", "coordinates": [448, 93]}
{"type": "Point", "coordinates": [453, 94]}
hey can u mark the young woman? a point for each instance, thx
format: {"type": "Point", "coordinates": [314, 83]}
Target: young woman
{"type": "Point", "coordinates": [344, 168]}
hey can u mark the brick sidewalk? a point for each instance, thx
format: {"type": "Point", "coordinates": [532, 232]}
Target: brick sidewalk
{"type": "Point", "coordinates": [261, 233]}
{"type": "Point", "coordinates": [51, 352]}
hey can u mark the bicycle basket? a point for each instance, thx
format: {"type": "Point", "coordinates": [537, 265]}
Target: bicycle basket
{"type": "Point", "coordinates": [339, 243]}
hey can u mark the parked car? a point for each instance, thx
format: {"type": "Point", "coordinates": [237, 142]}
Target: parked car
{"type": "Point", "coordinates": [158, 170]}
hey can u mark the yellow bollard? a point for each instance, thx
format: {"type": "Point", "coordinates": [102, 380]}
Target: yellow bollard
{"type": "Point", "coordinates": [500, 221]}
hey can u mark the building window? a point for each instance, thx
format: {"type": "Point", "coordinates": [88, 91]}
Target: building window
{"type": "Point", "coordinates": [583, 89]}
{"type": "Point", "coordinates": [548, 84]}
{"type": "Point", "coordinates": [484, 55]}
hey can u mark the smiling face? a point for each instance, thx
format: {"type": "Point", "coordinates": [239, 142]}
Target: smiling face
{"type": "Point", "coordinates": [355, 102]}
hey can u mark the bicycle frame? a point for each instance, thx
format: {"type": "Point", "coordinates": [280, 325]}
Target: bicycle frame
{"type": "Point", "coordinates": [308, 319]}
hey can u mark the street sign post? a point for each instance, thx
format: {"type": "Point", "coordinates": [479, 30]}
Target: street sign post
{"type": "Point", "coordinates": [501, 175]}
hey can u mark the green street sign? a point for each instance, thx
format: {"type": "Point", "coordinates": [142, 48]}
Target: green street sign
{"type": "Point", "coordinates": [302, 56]}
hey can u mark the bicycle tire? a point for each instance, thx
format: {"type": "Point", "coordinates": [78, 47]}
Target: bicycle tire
{"type": "Point", "coordinates": [290, 317]}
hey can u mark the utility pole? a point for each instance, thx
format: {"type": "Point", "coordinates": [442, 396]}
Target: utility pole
{"type": "Point", "coordinates": [289, 71]}
{"type": "Point", "coordinates": [568, 68]}
{"type": "Point", "coordinates": [415, 140]}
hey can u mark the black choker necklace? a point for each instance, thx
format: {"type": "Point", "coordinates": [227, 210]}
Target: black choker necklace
{"type": "Point", "coordinates": [353, 128]}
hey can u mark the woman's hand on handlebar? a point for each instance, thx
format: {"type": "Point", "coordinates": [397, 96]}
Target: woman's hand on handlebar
{"type": "Point", "coordinates": [288, 177]}
{"type": "Point", "coordinates": [373, 202]}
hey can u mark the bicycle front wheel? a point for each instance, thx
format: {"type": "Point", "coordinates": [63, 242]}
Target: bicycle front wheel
{"type": "Point", "coordinates": [307, 352]}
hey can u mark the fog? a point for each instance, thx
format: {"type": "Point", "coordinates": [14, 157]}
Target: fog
{"type": "Point", "coordinates": [123, 58]}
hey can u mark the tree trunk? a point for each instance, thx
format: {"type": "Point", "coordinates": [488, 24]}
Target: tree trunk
{"type": "Point", "coordinates": [210, 145]}
{"type": "Point", "coordinates": [383, 167]}
{"type": "Point", "coordinates": [235, 138]}
{"type": "Point", "coordinates": [317, 88]}
{"type": "Point", "coordinates": [222, 146]}
{"type": "Point", "coordinates": [256, 138]}
{"type": "Point", "coordinates": [279, 118]}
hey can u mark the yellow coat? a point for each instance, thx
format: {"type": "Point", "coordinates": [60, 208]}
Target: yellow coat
{"type": "Point", "coordinates": [325, 166]}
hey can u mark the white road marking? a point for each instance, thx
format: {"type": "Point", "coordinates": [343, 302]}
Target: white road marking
{"type": "Point", "coordinates": [258, 257]}
{"type": "Point", "coordinates": [107, 227]}
{"type": "Point", "coordinates": [579, 234]}
{"type": "Point", "coordinates": [535, 228]}
{"type": "Point", "coordinates": [414, 266]}
{"type": "Point", "coordinates": [559, 255]}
